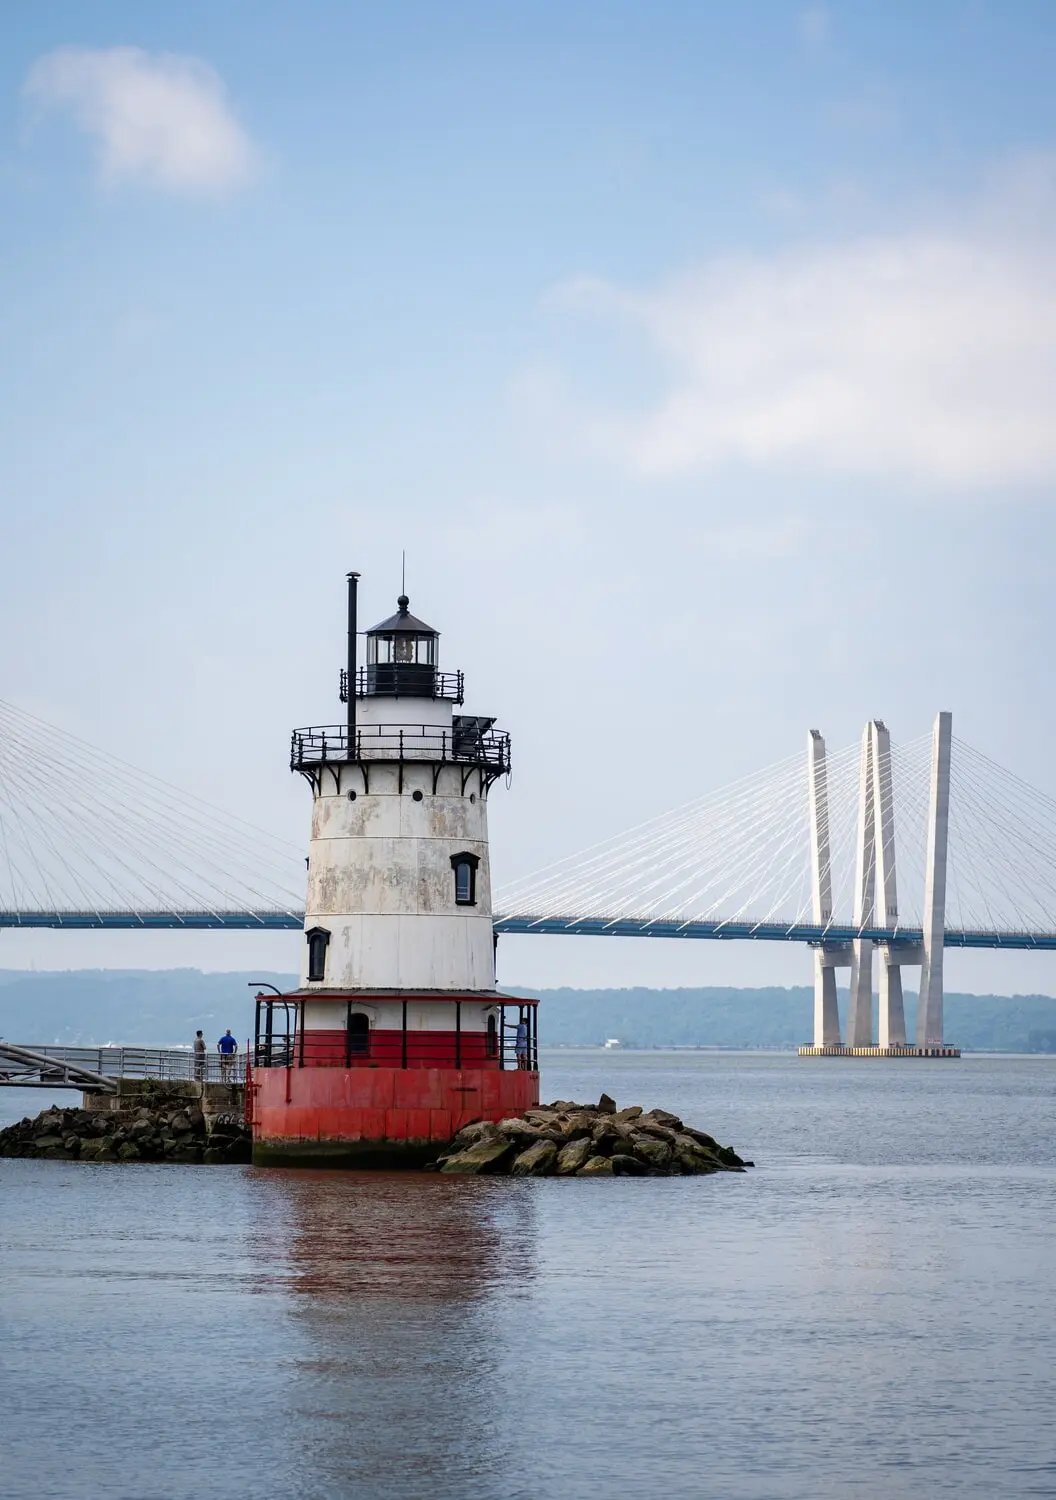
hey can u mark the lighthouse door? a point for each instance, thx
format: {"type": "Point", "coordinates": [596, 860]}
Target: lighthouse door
{"type": "Point", "coordinates": [357, 1035]}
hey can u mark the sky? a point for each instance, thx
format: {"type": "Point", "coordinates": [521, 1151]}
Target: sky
{"type": "Point", "coordinates": [700, 358]}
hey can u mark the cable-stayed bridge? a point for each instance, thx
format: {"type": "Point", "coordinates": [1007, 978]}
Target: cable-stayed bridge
{"type": "Point", "coordinates": [881, 850]}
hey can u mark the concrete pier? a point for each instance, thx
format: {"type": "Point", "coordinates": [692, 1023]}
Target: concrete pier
{"type": "Point", "coordinates": [895, 1051]}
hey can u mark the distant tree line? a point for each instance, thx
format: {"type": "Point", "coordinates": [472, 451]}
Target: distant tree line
{"type": "Point", "coordinates": [151, 1007]}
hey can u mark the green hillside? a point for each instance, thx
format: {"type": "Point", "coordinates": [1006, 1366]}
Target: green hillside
{"type": "Point", "coordinates": [148, 1007]}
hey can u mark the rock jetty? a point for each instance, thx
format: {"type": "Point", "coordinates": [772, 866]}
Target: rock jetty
{"type": "Point", "coordinates": [163, 1130]}
{"type": "Point", "coordinates": [564, 1139]}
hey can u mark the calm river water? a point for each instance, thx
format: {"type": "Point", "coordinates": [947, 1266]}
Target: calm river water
{"type": "Point", "coordinates": [872, 1312]}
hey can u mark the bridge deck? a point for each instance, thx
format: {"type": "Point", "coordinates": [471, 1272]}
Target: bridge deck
{"type": "Point", "coordinates": [732, 931]}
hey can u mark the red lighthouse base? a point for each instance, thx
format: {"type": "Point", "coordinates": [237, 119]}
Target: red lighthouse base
{"type": "Point", "coordinates": [376, 1116]}
{"type": "Point", "coordinates": [339, 1097]}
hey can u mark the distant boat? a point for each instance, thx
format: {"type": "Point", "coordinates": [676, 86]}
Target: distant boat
{"type": "Point", "coordinates": [613, 1041]}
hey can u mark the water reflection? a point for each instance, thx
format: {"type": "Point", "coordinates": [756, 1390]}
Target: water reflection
{"type": "Point", "coordinates": [396, 1235]}
{"type": "Point", "coordinates": [397, 1290]}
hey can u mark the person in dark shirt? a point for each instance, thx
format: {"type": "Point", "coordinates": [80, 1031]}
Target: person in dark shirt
{"type": "Point", "coordinates": [227, 1047]}
{"type": "Point", "coordinates": [199, 1056]}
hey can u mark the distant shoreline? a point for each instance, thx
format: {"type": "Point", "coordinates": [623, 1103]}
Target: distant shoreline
{"type": "Point", "coordinates": [165, 1007]}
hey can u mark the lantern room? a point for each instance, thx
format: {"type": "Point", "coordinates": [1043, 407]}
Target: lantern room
{"type": "Point", "coordinates": [402, 655]}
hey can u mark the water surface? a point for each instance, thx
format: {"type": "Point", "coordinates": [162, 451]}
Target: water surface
{"type": "Point", "coordinates": [869, 1313]}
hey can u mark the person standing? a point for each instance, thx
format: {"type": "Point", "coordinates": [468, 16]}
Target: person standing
{"type": "Point", "coordinates": [227, 1047]}
{"type": "Point", "coordinates": [199, 1056]}
{"type": "Point", "coordinates": [520, 1043]}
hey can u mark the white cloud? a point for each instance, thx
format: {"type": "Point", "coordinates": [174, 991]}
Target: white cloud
{"type": "Point", "coordinates": [157, 118]}
{"type": "Point", "coordinates": [928, 353]}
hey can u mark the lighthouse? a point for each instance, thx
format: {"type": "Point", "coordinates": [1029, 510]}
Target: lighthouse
{"type": "Point", "coordinates": [396, 1036]}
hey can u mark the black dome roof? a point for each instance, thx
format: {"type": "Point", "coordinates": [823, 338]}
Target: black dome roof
{"type": "Point", "coordinates": [402, 621]}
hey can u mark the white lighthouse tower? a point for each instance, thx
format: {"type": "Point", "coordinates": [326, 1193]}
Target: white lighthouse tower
{"type": "Point", "coordinates": [396, 1036]}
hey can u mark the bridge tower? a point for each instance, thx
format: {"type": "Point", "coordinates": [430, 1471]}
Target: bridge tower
{"type": "Point", "coordinates": [876, 920]}
{"type": "Point", "coordinates": [892, 1031]}
{"type": "Point", "coordinates": [929, 1007]}
{"type": "Point", "coordinates": [860, 998]}
{"type": "Point", "coordinates": [396, 1036]}
{"type": "Point", "coordinates": [826, 1012]}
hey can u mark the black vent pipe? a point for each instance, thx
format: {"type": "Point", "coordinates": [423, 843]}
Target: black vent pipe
{"type": "Point", "coordinates": [352, 581]}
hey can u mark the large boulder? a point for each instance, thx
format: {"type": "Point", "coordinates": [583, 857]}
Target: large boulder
{"type": "Point", "coordinates": [730, 1159]}
{"type": "Point", "coordinates": [480, 1158]}
{"type": "Point", "coordinates": [627, 1166]}
{"type": "Point", "coordinates": [606, 1105]}
{"type": "Point", "coordinates": [520, 1129]}
{"type": "Point", "coordinates": [480, 1130]}
{"type": "Point", "coordinates": [538, 1161]}
{"type": "Point", "coordinates": [657, 1154]}
{"type": "Point", "coordinates": [574, 1155]}
{"type": "Point", "coordinates": [596, 1166]}
{"type": "Point", "coordinates": [604, 1140]}
{"type": "Point", "coordinates": [693, 1159]}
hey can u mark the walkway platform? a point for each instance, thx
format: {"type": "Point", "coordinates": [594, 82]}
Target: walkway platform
{"type": "Point", "coordinates": [99, 1070]}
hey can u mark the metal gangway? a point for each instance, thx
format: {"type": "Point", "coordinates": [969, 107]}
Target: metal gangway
{"type": "Point", "coordinates": [100, 1069]}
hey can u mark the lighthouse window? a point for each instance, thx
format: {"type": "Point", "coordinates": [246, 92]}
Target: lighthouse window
{"type": "Point", "coordinates": [403, 649]}
{"type": "Point", "coordinates": [465, 868]}
{"type": "Point", "coordinates": [318, 938]}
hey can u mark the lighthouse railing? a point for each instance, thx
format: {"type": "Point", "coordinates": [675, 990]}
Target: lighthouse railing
{"type": "Point", "coordinates": [404, 680]}
{"type": "Point", "coordinates": [465, 744]}
{"type": "Point", "coordinates": [281, 1040]}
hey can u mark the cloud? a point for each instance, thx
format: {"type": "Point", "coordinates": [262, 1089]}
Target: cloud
{"type": "Point", "coordinates": [157, 119]}
{"type": "Point", "coordinates": [928, 353]}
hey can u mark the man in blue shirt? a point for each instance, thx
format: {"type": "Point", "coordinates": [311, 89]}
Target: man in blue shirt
{"type": "Point", "coordinates": [520, 1043]}
{"type": "Point", "coordinates": [227, 1047]}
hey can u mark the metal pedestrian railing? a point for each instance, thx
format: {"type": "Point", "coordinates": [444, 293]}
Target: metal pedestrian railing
{"type": "Point", "coordinates": [96, 1067]}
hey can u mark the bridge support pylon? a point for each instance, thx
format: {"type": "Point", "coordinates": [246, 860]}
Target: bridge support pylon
{"type": "Point", "coordinates": [860, 1000]}
{"type": "Point", "coordinates": [929, 1009]}
{"type": "Point", "coordinates": [826, 1011]}
{"type": "Point", "coordinates": [876, 920]}
{"type": "Point", "coordinates": [892, 1029]}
